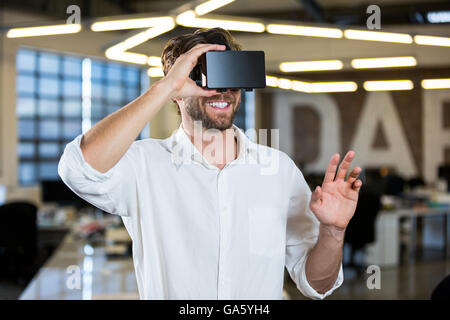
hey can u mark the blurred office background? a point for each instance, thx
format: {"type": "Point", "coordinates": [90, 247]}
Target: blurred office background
{"type": "Point", "coordinates": [321, 96]}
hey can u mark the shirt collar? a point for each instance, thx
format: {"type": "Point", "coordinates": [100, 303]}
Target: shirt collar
{"type": "Point", "coordinates": [184, 151]}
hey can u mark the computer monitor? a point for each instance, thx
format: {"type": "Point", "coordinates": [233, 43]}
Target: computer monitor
{"type": "Point", "coordinates": [2, 194]}
{"type": "Point", "coordinates": [56, 191]}
{"type": "Point", "coordinates": [444, 173]}
{"type": "Point", "coordinates": [370, 175]}
{"type": "Point", "coordinates": [372, 180]}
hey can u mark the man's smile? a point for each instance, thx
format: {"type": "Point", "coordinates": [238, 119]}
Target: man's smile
{"type": "Point", "coordinates": [219, 104]}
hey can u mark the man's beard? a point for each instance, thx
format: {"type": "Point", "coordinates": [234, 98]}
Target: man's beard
{"type": "Point", "coordinates": [197, 113]}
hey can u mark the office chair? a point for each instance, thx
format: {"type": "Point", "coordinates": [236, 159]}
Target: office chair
{"type": "Point", "coordinates": [18, 239]}
{"type": "Point", "coordinates": [444, 173]}
{"type": "Point", "coordinates": [361, 228]}
{"type": "Point", "coordinates": [394, 184]}
{"type": "Point", "coordinates": [416, 182]}
{"type": "Point", "coordinates": [314, 179]}
{"type": "Point", "coordinates": [442, 290]}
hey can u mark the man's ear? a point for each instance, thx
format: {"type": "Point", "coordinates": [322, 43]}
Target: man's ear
{"type": "Point", "coordinates": [177, 100]}
{"type": "Point", "coordinates": [177, 104]}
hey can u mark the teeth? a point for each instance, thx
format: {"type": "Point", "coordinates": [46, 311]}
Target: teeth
{"type": "Point", "coordinates": [218, 104]}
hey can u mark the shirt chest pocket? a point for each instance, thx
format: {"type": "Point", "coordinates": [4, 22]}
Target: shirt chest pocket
{"type": "Point", "coordinates": [267, 231]}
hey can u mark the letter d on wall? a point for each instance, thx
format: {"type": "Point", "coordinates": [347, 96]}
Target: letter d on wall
{"type": "Point", "coordinates": [330, 129]}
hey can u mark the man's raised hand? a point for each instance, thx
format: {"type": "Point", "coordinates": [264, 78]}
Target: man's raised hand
{"type": "Point", "coordinates": [178, 77]}
{"type": "Point", "coordinates": [334, 202]}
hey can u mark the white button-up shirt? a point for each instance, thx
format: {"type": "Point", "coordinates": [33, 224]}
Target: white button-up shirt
{"type": "Point", "coordinates": [200, 232]}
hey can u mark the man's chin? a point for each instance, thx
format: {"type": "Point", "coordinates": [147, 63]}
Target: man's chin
{"type": "Point", "coordinates": [214, 120]}
{"type": "Point", "coordinates": [219, 125]}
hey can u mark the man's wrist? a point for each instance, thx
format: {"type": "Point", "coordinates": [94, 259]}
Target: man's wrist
{"type": "Point", "coordinates": [164, 88]}
{"type": "Point", "coordinates": [336, 233]}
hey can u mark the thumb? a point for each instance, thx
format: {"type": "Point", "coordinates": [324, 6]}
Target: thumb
{"type": "Point", "coordinates": [316, 197]}
{"type": "Point", "coordinates": [200, 91]}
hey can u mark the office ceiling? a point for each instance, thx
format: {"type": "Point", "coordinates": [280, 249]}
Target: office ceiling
{"type": "Point", "coordinates": [396, 15]}
{"type": "Point", "coordinates": [339, 12]}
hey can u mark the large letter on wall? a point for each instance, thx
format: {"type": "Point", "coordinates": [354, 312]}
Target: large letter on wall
{"type": "Point", "coordinates": [379, 108]}
{"type": "Point", "coordinates": [436, 138]}
{"type": "Point", "coordinates": [328, 112]}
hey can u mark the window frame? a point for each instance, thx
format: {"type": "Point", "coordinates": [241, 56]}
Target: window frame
{"type": "Point", "coordinates": [61, 98]}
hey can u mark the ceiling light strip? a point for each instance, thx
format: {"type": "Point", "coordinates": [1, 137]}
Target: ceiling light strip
{"type": "Point", "coordinates": [318, 65]}
{"type": "Point", "coordinates": [211, 5]}
{"type": "Point", "coordinates": [131, 23]}
{"type": "Point", "coordinates": [443, 83]}
{"type": "Point", "coordinates": [155, 72]}
{"type": "Point", "coordinates": [311, 87]}
{"type": "Point", "coordinates": [432, 41]}
{"type": "Point", "coordinates": [154, 61]}
{"type": "Point", "coordinates": [43, 30]}
{"type": "Point", "coordinates": [304, 31]}
{"type": "Point", "coordinates": [189, 19]}
{"type": "Point", "coordinates": [341, 86]}
{"type": "Point", "coordinates": [129, 57]}
{"type": "Point", "coordinates": [377, 36]}
{"type": "Point", "coordinates": [388, 85]}
{"type": "Point", "coordinates": [383, 62]}
{"type": "Point", "coordinates": [117, 52]}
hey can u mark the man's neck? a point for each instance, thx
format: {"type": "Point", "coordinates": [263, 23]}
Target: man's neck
{"type": "Point", "coordinates": [218, 147]}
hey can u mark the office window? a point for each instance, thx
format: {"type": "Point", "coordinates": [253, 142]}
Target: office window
{"type": "Point", "coordinates": [113, 86]}
{"type": "Point", "coordinates": [59, 97]}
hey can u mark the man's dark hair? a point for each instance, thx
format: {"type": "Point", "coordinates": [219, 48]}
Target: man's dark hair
{"type": "Point", "coordinates": [183, 43]}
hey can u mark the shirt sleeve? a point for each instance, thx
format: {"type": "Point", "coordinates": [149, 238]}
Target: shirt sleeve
{"type": "Point", "coordinates": [114, 191]}
{"type": "Point", "coordinates": [301, 236]}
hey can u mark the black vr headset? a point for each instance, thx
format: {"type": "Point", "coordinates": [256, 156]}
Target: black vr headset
{"type": "Point", "coordinates": [229, 69]}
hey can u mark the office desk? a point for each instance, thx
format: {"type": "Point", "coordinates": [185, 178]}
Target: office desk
{"type": "Point", "coordinates": [386, 249]}
{"type": "Point", "coordinates": [100, 277]}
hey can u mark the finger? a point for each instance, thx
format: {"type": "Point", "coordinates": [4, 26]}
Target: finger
{"type": "Point", "coordinates": [205, 92]}
{"type": "Point", "coordinates": [200, 49]}
{"type": "Point", "coordinates": [331, 170]}
{"type": "Point", "coordinates": [192, 56]}
{"type": "Point", "coordinates": [203, 45]}
{"type": "Point", "coordinates": [354, 174]}
{"type": "Point", "coordinates": [316, 197]}
{"type": "Point", "coordinates": [357, 185]}
{"type": "Point", "coordinates": [316, 194]}
{"type": "Point", "coordinates": [345, 165]}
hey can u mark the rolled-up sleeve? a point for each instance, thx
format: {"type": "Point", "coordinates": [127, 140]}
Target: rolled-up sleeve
{"type": "Point", "coordinates": [114, 191]}
{"type": "Point", "coordinates": [302, 232]}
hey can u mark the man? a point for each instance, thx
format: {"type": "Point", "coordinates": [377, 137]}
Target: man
{"type": "Point", "coordinates": [206, 221]}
